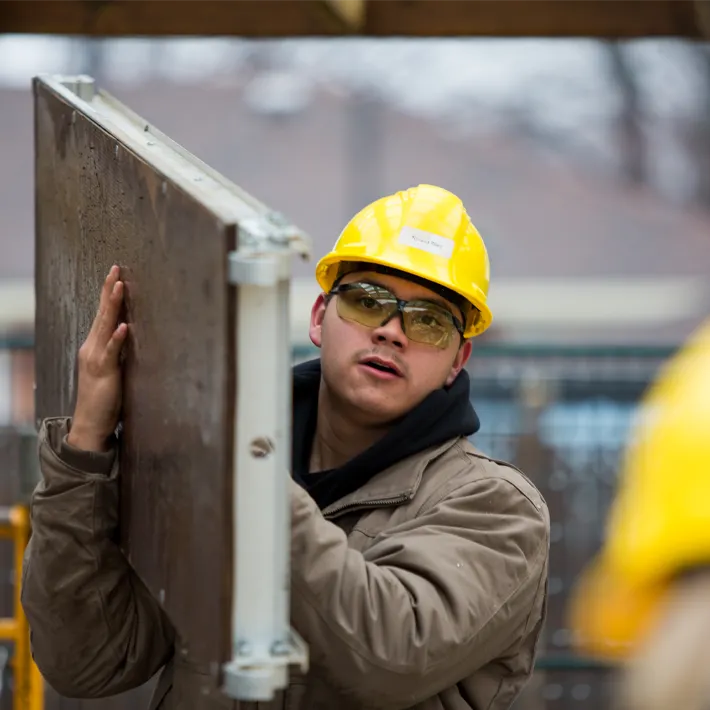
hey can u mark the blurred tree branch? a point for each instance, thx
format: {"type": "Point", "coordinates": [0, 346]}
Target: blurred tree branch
{"type": "Point", "coordinates": [629, 130]}
{"type": "Point", "coordinates": [700, 149]}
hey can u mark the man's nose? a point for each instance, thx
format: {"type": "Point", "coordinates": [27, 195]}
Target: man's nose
{"type": "Point", "coordinates": [392, 333]}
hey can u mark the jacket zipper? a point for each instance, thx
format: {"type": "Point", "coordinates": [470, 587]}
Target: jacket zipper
{"type": "Point", "coordinates": [368, 503]}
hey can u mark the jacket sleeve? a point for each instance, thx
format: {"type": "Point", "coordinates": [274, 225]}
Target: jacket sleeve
{"type": "Point", "coordinates": [95, 628]}
{"type": "Point", "coordinates": [429, 602]}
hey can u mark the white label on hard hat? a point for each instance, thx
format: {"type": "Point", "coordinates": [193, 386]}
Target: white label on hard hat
{"type": "Point", "coordinates": [426, 241]}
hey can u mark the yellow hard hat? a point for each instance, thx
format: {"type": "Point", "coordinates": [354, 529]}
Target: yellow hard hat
{"type": "Point", "coordinates": [426, 233]}
{"type": "Point", "coordinates": [610, 617]}
{"type": "Point", "coordinates": [659, 524]}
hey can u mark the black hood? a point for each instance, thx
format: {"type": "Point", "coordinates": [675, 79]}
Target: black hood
{"type": "Point", "coordinates": [445, 414]}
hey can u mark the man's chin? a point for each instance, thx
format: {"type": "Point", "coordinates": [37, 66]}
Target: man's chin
{"type": "Point", "coordinates": [375, 410]}
{"type": "Point", "coordinates": [371, 405]}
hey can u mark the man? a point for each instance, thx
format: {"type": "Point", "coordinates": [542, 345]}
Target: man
{"type": "Point", "coordinates": [419, 565]}
{"type": "Point", "coordinates": [645, 599]}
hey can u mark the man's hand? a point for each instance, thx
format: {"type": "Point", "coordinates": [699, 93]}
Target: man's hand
{"type": "Point", "coordinates": [98, 402]}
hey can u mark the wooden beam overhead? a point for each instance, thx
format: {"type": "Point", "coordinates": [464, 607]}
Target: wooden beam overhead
{"type": "Point", "coordinates": [379, 18]}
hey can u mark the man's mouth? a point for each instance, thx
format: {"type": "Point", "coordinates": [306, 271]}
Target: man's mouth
{"type": "Point", "coordinates": [382, 366]}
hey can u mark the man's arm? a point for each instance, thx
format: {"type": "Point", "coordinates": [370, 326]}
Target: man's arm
{"type": "Point", "coordinates": [95, 628]}
{"type": "Point", "coordinates": [429, 602]}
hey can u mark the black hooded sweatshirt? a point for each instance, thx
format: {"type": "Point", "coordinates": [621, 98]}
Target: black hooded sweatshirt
{"type": "Point", "coordinates": [444, 414]}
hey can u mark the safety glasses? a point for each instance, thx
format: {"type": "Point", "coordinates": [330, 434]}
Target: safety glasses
{"type": "Point", "coordinates": [373, 306]}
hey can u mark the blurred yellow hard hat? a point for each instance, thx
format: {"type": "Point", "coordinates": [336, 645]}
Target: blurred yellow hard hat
{"type": "Point", "coordinates": [609, 617]}
{"type": "Point", "coordinates": [425, 232]}
{"type": "Point", "coordinates": [659, 524]}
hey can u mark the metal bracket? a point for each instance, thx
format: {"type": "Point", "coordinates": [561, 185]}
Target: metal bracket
{"type": "Point", "coordinates": [270, 228]}
{"type": "Point", "coordinates": [266, 243]}
{"type": "Point", "coordinates": [264, 645]}
{"type": "Point", "coordinates": [254, 270]}
{"type": "Point", "coordinates": [251, 677]}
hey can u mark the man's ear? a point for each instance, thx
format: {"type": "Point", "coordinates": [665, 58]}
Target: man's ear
{"type": "Point", "coordinates": [315, 330]}
{"type": "Point", "coordinates": [462, 356]}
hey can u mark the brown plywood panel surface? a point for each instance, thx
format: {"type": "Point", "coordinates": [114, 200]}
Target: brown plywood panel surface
{"type": "Point", "coordinates": [424, 18]}
{"type": "Point", "coordinates": [98, 204]}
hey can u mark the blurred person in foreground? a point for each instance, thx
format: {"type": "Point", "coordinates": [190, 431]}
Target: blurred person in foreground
{"type": "Point", "coordinates": [645, 600]}
{"type": "Point", "coordinates": [419, 564]}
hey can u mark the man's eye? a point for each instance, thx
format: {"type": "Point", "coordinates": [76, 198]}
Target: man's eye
{"type": "Point", "coordinates": [369, 302]}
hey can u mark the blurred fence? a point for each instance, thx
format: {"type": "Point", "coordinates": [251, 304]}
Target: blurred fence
{"type": "Point", "coordinates": [561, 415]}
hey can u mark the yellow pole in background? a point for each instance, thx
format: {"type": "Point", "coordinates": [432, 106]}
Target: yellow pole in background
{"type": "Point", "coordinates": [20, 522]}
{"type": "Point", "coordinates": [36, 688]}
{"type": "Point", "coordinates": [28, 684]}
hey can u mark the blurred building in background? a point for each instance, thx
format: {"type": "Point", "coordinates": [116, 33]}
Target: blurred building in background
{"type": "Point", "coordinates": [585, 165]}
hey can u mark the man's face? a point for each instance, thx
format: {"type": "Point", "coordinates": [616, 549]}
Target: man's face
{"type": "Point", "coordinates": [375, 397]}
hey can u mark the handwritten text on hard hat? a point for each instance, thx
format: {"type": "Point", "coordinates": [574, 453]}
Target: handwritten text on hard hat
{"type": "Point", "coordinates": [426, 241]}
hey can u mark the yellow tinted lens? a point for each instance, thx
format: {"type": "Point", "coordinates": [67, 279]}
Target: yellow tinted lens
{"type": "Point", "coordinates": [369, 305]}
{"type": "Point", "coordinates": [428, 323]}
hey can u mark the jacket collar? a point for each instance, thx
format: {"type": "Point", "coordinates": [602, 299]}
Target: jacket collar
{"type": "Point", "coordinates": [395, 485]}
